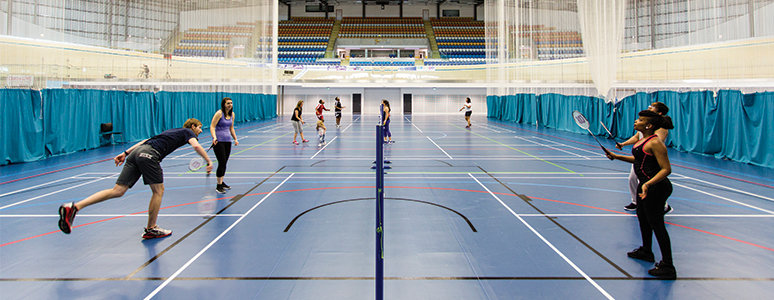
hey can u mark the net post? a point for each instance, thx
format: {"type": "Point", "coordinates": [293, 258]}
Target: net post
{"type": "Point", "coordinates": [379, 265]}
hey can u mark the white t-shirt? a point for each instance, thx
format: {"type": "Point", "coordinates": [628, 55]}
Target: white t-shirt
{"type": "Point", "coordinates": [468, 107]}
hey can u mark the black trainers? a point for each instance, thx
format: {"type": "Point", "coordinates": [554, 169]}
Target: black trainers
{"type": "Point", "coordinates": [668, 209]}
{"type": "Point", "coordinates": [641, 254]}
{"type": "Point", "coordinates": [631, 206]}
{"type": "Point", "coordinates": [225, 186]}
{"type": "Point", "coordinates": [156, 232]}
{"type": "Point", "coordinates": [220, 189]}
{"type": "Point", "coordinates": [663, 271]}
{"type": "Point", "coordinates": [67, 213]}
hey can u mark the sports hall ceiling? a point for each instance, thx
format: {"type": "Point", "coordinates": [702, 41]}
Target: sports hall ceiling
{"type": "Point", "coordinates": [544, 4]}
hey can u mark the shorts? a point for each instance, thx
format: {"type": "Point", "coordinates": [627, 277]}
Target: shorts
{"type": "Point", "coordinates": [467, 113]}
{"type": "Point", "coordinates": [144, 161]}
{"type": "Point", "coordinates": [338, 114]}
{"type": "Point", "coordinates": [297, 126]}
{"type": "Point", "coordinates": [320, 117]}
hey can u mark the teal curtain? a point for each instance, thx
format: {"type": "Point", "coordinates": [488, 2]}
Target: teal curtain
{"type": "Point", "coordinates": [72, 118]}
{"type": "Point", "coordinates": [21, 127]}
{"type": "Point", "coordinates": [728, 125]}
{"type": "Point", "coordinates": [69, 119]}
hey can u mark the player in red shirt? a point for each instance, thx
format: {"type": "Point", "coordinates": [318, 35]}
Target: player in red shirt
{"type": "Point", "coordinates": [319, 110]}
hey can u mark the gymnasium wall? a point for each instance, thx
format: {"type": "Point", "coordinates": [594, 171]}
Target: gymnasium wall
{"type": "Point", "coordinates": [424, 100]}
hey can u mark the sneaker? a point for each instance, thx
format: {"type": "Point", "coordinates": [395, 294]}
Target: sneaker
{"type": "Point", "coordinates": [295, 143]}
{"type": "Point", "coordinates": [632, 206]}
{"type": "Point", "coordinates": [641, 254]}
{"type": "Point", "coordinates": [467, 126]}
{"type": "Point", "coordinates": [156, 232]}
{"type": "Point", "coordinates": [305, 141]}
{"type": "Point", "coordinates": [67, 213]}
{"type": "Point", "coordinates": [220, 189]}
{"type": "Point", "coordinates": [319, 144]}
{"type": "Point", "coordinates": [668, 209]}
{"type": "Point", "coordinates": [663, 271]}
{"type": "Point", "coordinates": [225, 186]}
{"type": "Point", "coordinates": [391, 142]}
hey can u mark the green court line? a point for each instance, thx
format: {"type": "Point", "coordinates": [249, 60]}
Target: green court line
{"type": "Point", "coordinates": [271, 140]}
{"type": "Point", "coordinates": [520, 151]}
{"type": "Point", "coordinates": [189, 171]}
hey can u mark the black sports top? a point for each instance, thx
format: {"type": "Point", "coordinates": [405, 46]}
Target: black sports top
{"type": "Point", "coordinates": [645, 165]}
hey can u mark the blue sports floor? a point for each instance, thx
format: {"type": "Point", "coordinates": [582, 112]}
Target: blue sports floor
{"type": "Point", "coordinates": [500, 211]}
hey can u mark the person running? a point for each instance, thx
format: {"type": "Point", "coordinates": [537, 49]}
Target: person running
{"type": "Point", "coordinates": [222, 131]}
{"type": "Point", "coordinates": [337, 109]}
{"type": "Point", "coordinates": [298, 122]}
{"type": "Point", "coordinates": [650, 156]}
{"type": "Point", "coordinates": [321, 132]}
{"type": "Point", "coordinates": [142, 159]}
{"type": "Point", "coordinates": [319, 110]}
{"type": "Point", "coordinates": [662, 134]}
{"type": "Point", "coordinates": [385, 111]}
{"type": "Point", "coordinates": [468, 110]}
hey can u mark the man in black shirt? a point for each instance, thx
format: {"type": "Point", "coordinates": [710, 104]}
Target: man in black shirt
{"type": "Point", "coordinates": [337, 109]}
{"type": "Point", "coordinates": [142, 159]}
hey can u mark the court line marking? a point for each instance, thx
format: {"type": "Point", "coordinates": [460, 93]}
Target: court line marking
{"type": "Point", "coordinates": [439, 147]}
{"type": "Point", "coordinates": [415, 126]}
{"type": "Point", "coordinates": [36, 186]}
{"type": "Point", "coordinates": [525, 153]}
{"type": "Point", "coordinates": [577, 269]}
{"type": "Point", "coordinates": [187, 264]}
{"type": "Point", "coordinates": [323, 148]}
{"type": "Point", "coordinates": [568, 146]}
{"type": "Point", "coordinates": [57, 191]}
{"type": "Point", "coordinates": [724, 198]}
{"type": "Point", "coordinates": [727, 187]}
{"type": "Point", "coordinates": [122, 215]}
{"type": "Point", "coordinates": [552, 147]}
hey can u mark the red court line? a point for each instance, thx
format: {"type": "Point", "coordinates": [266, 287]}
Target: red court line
{"type": "Point", "coordinates": [54, 171]}
{"type": "Point", "coordinates": [395, 187]}
{"type": "Point", "coordinates": [614, 150]}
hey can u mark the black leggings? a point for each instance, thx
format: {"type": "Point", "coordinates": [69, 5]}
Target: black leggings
{"type": "Point", "coordinates": [650, 213]}
{"type": "Point", "coordinates": [222, 152]}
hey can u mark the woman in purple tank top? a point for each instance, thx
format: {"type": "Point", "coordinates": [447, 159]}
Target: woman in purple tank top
{"type": "Point", "coordinates": [222, 130]}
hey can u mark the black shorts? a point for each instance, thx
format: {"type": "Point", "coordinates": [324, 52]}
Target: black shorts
{"type": "Point", "coordinates": [338, 114]}
{"type": "Point", "coordinates": [467, 113]}
{"type": "Point", "coordinates": [143, 161]}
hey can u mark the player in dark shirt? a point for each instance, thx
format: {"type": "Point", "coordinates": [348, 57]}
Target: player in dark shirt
{"type": "Point", "coordinates": [142, 159]}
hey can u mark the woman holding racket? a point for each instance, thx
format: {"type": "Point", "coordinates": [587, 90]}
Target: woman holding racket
{"type": "Point", "coordinates": [222, 130]}
{"type": "Point", "coordinates": [142, 159]}
{"type": "Point", "coordinates": [662, 134]}
{"type": "Point", "coordinates": [652, 168]}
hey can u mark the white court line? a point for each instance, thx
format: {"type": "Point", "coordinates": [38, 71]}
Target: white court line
{"type": "Point", "coordinates": [350, 124]}
{"type": "Point", "coordinates": [567, 145]}
{"type": "Point", "coordinates": [112, 216]}
{"type": "Point", "coordinates": [439, 147]}
{"type": "Point", "coordinates": [594, 283]}
{"type": "Point", "coordinates": [415, 126]}
{"type": "Point", "coordinates": [185, 266]}
{"type": "Point", "coordinates": [728, 188]}
{"type": "Point", "coordinates": [552, 147]}
{"type": "Point", "coordinates": [724, 198]}
{"type": "Point", "coordinates": [323, 148]}
{"type": "Point", "coordinates": [33, 187]}
{"type": "Point", "coordinates": [57, 191]}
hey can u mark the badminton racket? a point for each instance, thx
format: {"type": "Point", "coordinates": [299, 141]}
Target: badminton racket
{"type": "Point", "coordinates": [197, 163]}
{"type": "Point", "coordinates": [617, 144]}
{"type": "Point", "coordinates": [582, 122]}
